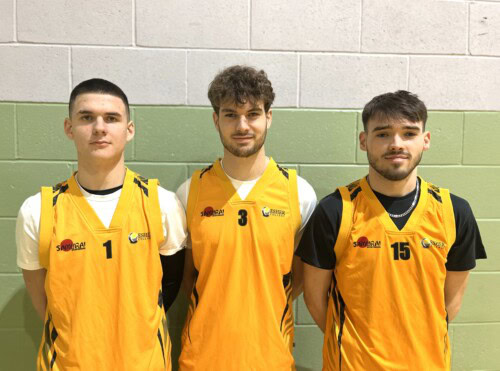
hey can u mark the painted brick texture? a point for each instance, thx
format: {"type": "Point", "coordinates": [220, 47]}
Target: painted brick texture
{"type": "Point", "coordinates": [322, 144]}
{"type": "Point", "coordinates": [326, 59]}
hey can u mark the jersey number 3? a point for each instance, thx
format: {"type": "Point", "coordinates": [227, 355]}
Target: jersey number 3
{"type": "Point", "coordinates": [242, 220]}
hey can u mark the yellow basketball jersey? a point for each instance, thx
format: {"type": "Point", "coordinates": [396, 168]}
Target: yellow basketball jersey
{"type": "Point", "coordinates": [386, 310]}
{"type": "Point", "coordinates": [103, 285]}
{"type": "Point", "coordinates": [240, 316]}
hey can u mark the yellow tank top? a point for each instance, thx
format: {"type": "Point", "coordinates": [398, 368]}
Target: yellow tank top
{"type": "Point", "coordinates": [240, 316]}
{"type": "Point", "coordinates": [103, 285]}
{"type": "Point", "coordinates": [386, 310]}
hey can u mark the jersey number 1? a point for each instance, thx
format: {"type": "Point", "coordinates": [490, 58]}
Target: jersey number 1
{"type": "Point", "coordinates": [107, 245]}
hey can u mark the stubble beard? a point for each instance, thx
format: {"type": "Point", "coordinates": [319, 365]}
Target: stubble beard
{"type": "Point", "coordinates": [394, 172]}
{"type": "Point", "coordinates": [244, 152]}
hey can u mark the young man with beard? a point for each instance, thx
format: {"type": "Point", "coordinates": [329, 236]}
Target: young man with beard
{"type": "Point", "coordinates": [245, 214]}
{"type": "Point", "coordinates": [92, 248]}
{"type": "Point", "coordinates": [388, 256]}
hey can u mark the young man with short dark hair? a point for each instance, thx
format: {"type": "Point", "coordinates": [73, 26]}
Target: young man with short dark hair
{"type": "Point", "coordinates": [245, 214]}
{"type": "Point", "coordinates": [89, 248]}
{"type": "Point", "coordinates": [387, 258]}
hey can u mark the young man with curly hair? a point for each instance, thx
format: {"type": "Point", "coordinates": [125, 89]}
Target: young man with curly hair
{"type": "Point", "coordinates": [245, 215]}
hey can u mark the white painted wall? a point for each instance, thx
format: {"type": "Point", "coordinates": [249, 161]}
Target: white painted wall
{"type": "Point", "coordinates": [318, 53]}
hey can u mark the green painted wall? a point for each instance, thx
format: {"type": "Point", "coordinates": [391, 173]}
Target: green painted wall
{"type": "Point", "coordinates": [322, 144]}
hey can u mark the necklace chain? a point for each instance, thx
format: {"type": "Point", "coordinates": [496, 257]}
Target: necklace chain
{"type": "Point", "coordinates": [411, 206]}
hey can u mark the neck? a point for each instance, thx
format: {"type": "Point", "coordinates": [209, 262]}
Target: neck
{"type": "Point", "coordinates": [102, 176]}
{"type": "Point", "coordinates": [245, 168]}
{"type": "Point", "coordinates": [392, 188]}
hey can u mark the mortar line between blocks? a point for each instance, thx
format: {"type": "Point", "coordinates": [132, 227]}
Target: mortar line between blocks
{"type": "Point", "coordinates": [299, 72]}
{"type": "Point", "coordinates": [134, 23]}
{"type": "Point", "coordinates": [249, 24]}
{"type": "Point", "coordinates": [14, 20]}
{"type": "Point", "coordinates": [16, 138]}
{"type": "Point", "coordinates": [467, 30]}
{"type": "Point", "coordinates": [70, 67]}
{"type": "Point", "coordinates": [361, 26]}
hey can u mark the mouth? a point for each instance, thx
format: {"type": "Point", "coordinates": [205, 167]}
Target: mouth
{"type": "Point", "coordinates": [242, 138]}
{"type": "Point", "coordinates": [100, 143]}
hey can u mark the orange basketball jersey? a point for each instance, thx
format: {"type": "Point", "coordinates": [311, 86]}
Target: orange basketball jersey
{"type": "Point", "coordinates": [103, 285]}
{"type": "Point", "coordinates": [241, 317]}
{"type": "Point", "coordinates": [386, 310]}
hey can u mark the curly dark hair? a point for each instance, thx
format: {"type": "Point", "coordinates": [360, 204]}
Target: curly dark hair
{"type": "Point", "coordinates": [240, 84]}
{"type": "Point", "coordinates": [395, 106]}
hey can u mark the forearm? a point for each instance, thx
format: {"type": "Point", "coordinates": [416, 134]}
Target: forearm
{"type": "Point", "coordinates": [35, 285]}
{"type": "Point", "coordinates": [297, 277]}
{"type": "Point", "coordinates": [454, 289]}
{"type": "Point", "coordinates": [173, 266]}
{"type": "Point", "coordinates": [317, 309]}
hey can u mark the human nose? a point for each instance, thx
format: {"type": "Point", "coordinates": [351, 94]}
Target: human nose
{"type": "Point", "coordinates": [242, 124]}
{"type": "Point", "coordinates": [396, 142]}
{"type": "Point", "coordinates": [99, 125]}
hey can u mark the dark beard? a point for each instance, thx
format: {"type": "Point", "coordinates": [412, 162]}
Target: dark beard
{"type": "Point", "coordinates": [236, 151]}
{"type": "Point", "coordinates": [391, 173]}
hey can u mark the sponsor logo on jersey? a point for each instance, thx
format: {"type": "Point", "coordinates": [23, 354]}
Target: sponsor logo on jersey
{"type": "Point", "coordinates": [427, 242]}
{"type": "Point", "coordinates": [134, 236]}
{"type": "Point", "coordinates": [364, 242]}
{"type": "Point", "coordinates": [266, 212]}
{"type": "Point", "coordinates": [210, 211]}
{"type": "Point", "coordinates": [68, 245]}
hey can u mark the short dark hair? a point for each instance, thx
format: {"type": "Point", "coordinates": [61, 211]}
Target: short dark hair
{"type": "Point", "coordinates": [395, 106]}
{"type": "Point", "coordinates": [99, 86]}
{"type": "Point", "coordinates": [240, 84]}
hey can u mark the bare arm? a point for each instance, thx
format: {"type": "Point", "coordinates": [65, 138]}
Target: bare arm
{"type": "Point", "coordinates": [298, 277]}
{"type": "Point", "coordinates": [316, 286]}
{"type": "Point", "coordinates": [189, 272]}
{"type": "Point", "coordinates": [454, 289]}
{"type": "Point", "coordinates": [35, 284]}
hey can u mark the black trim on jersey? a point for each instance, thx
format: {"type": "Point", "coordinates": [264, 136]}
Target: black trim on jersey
{"type": "Point", "coordinates": [102, 192]}
{"type": "Point", "coordinates": [144, 180]}
{"type": "Point", "coordinates": [53, 360]}
{"type": "Point", "coordinates": [287, 278]}
{"type": "Point", "coordinates": [341, 328]}
{"type": "Point", "coordinates": [435, 195]}
{"type": "Point", "coordinates": [160, 299]}
{"type": "Point", "coordinates": [316, 247]}
{"type": "Point", "coordinates": [139, 184]}
{"type": "Point", "coordinates": [53, 335]}
{"type": "Point", "coordinates": [161, 344]}
{"type": "Point", "coordinates": [355, 193]}
{"type": "Point", "coordinates": [283, 171]}
{"type": "Point", "coordinates": [205, 170]}
{"type": "Point", "coordinates": [59, 188]}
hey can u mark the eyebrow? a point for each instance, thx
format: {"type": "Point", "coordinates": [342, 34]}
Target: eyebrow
{"type": "Point", "coordinates": [407, 127]}
{"type": "Point", "coordinates": [85, 112]}
{"type": "Point", "coordinates": [255, 108]}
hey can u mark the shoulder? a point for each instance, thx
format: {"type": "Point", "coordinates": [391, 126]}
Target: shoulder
{"type": "Point", "coordinates": [31, 207]}
{"type": "Point", "coordinates": [460, 206]}
{"type": "Point", "coordinates": [307, 195]}
{"type": "Point", "coordinates": [183, 192]}
{"type": "Point", "coordinates": [168, 200]}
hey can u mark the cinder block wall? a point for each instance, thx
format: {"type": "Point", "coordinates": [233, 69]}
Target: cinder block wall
{"type": "Point", "coordinates": [326, 59]}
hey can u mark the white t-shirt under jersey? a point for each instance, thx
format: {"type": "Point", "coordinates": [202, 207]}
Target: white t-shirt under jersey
{"type": "Point", "coordinates": [307, 197]}
{"type": "Point", "coordinates": [28, 223]}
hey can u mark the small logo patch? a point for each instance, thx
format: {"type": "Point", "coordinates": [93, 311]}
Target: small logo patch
{"type": "Point", "coordinates": [68, 245]}
{"type": "Point", "coordinates": [133, 237]}
{"type": "Point", "coordinates": [364, 242]}
{"type": "Point", "coordinates": [266, 211]}
{"type": "Point", "coordinates": [427, 242]}
{"type": "Point", "coordinates": [210, 211]}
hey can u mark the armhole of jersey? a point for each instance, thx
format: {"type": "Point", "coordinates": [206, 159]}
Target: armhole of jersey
{"type": "Point", "coordinates": [192, 197]}
{"type": "Point", "coordinates": [46, 225]}
{"type": "Point", "coordinates": [294, 198]}
{"type": "Point", "coordinates": [449, 217]}
{"type": "Point", "coordinates": [345, 224]}
{"type": "Point", "coordinates": [154, 207]}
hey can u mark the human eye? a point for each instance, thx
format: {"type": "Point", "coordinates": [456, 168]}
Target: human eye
{"type": "Point", "coordinates": [86, 118]}
{"type": "Point", "coordinates": [410, 134]}
{"type": "Point", "coordinates": [381, 135]}
{"type": "Point", "coordinates": [111, 119]}
{"type": "Point", "coordinates": [230, 115]}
